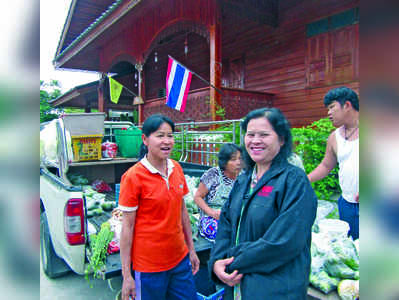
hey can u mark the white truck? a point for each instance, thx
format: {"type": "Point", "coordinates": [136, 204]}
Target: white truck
{"type": "Point", "coordinates": [64, 220]}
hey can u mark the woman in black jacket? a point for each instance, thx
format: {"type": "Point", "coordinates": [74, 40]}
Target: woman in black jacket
{"type": "Point", "coordinates": [262, 248]}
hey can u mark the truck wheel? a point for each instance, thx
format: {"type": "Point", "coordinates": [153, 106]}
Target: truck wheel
{"type": "Point", "coordinates": [53, 266]}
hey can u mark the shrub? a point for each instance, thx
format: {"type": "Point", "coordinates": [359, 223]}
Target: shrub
{"type": "Point", "coordinates": [310, 144]}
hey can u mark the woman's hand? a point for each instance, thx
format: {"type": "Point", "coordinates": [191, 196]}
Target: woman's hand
{"type": "Point", "coordinates": [219, 268]}
{"type": "Point", "coordinates": [195, 262]}
{"type": "Point", "coordinates": [215, 214]}
{"type": "Point", "coordinates": [128, 288]}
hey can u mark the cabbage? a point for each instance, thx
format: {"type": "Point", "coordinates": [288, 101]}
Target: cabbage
{"type": "Point", "coordinates": [348, 289]}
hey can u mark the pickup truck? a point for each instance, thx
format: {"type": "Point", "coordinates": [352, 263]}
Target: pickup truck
{"type": "Point", "coordinates": [64, 217]}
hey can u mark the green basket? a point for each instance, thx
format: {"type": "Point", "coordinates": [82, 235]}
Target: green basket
{"type": "Point", "coordinates": [128, 141]}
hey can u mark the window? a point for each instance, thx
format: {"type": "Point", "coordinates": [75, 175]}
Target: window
{"type": "Point", "coordinates": [332, 50]}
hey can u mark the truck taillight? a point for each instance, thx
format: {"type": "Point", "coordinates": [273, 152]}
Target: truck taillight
{"type": "Point", "coordinates": [74, 222]}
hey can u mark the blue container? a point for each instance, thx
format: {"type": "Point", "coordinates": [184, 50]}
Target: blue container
{"type": "Point", "coordinates": [216, 296]}
{"type": "Point", "coordinates": [117, 187]}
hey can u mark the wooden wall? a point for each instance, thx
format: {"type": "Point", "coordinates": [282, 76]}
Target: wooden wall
{"type": "Point", "coordinates": [197, 60]}
{"type": "Point", "coordinates": [283, 61]}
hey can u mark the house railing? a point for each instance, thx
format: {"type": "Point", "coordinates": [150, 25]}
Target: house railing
{"type": "Point", "coordinates": [200, 142]}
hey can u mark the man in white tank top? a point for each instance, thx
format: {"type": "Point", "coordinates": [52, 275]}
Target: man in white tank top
{"type": "Point", "coordinates": [343, 147]}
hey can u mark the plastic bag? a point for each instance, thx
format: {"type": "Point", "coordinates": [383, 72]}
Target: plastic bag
{"type": "Point", "coordinates": [324, 208]}
{"type": "Point", "coordinates": [334, 229]}
{"type": "Point", "coordinates": [101, 186]}
{"type": "Point", "coordinates": [335, 267]}
{"type": "Point", "coordinates": [322, 281]}
{"type": "Point", "coordinates": [109, 149]}
{"type": "Point", "coordinates": [346, 252]}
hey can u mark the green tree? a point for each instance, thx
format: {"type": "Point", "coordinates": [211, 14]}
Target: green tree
{"type": "Point", "coordinates": [48, 91]}
{"type": "Point", "coordinates": [310, 144]}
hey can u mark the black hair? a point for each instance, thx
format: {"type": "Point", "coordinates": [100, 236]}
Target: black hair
{"type": "Point", "coordinates": [225, 154]}
{"type": "Point", "coordinates": [152, 124]}
{"type": "Point", "coordinates": [341, 95]}
{"type": "Point", "coordinates": [280, 125]}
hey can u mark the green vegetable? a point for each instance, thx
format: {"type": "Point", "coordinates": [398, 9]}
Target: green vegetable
{"type": "Point", "coordinates": [194, 226]}
{"type": "Point", "coordinates": [337, 268]}
{"type": "Point", "coordinates": [77, 179]}
{"type": "Point", "coordinates": [346, 252]}
{"type": "Point", "coordinates": [322, 281]}
{"type": "Point", "coordinates": [97, 211]}
{"type": "Point", "coordinates": [108, 206]}
{"type": "Point", "coordinates": [98, 250]}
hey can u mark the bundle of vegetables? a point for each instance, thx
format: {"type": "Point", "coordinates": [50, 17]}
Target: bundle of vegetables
{"type": "Point", "coordinates": [98, 250]}
{"type": "Point", "coordinates": [77, 179]}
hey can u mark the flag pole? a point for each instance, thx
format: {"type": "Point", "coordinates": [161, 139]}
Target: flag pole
{"type": "Point", "coordinates": [204, 80]}
{"type": "Point", "coordinates": [125, 87]}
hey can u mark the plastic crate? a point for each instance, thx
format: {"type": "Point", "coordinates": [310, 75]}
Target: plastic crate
{"type": "Point", "coordinates": [216, 296]}
{"type": "Point", "coordinates": [82, 124]}
{"type": "Point", "coordinates": [86, 147]}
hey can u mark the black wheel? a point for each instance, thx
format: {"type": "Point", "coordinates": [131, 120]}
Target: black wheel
{"type": "Point", "coordinates": [53, 266]}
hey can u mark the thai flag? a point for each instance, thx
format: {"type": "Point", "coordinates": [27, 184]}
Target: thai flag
{"type": "Point", "coordinates": [178, 81]}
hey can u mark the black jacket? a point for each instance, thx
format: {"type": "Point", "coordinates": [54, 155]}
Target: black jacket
{"type": "Point", "coordinates": [275, 234]}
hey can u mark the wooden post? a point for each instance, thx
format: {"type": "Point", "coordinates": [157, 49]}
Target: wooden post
{"type": "Point", "coordinates": [215, 41]}
{"type": "Point", "coordinates": [87, 106]}
{"type": "Point", "coordinates": [101, 97]}
{"type": "Point", "coordinates": [141, 86]}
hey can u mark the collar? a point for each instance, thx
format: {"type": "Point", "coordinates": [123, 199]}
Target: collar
{"type": "Point", "coordinates": [154, 170]}
{"type": "Point", "coordinates": [278, 165]}
{"type": "Point", "coordinates": [254, 178]}
{"type": "Point", "coordinates": [223, 176]}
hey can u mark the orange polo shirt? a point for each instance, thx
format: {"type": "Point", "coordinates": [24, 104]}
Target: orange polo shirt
{"type": "Point", "coordinates": [158, 238]}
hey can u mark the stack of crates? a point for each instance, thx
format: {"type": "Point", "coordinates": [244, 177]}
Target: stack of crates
{"type": "Point", "coordinates": [87, 131]}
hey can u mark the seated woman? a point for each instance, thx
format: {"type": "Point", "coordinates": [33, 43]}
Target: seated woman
{"type": "Point", "coordinates": [214, 188]}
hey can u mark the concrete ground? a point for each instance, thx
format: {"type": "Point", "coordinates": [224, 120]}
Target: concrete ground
{"type": "Point", "coordinates": [73, 286]}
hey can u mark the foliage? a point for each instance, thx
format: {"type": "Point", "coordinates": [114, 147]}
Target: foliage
{"type": "Point", "coordinates": [310, 144]}
{"type": "Point", "coordinates": [48, 91]}
{"type": "Point", "coordinates": [220, 111]}
{"type": "Point", "coordinates": [73, 110]}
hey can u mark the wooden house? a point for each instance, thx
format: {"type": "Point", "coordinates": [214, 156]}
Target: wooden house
{"type": "Point", "coordinates": [285, 54]}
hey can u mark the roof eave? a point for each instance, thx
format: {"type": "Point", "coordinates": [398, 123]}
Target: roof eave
{"type": "Point", "coordinates": [65, 29]}
{"type": "Point", "coordinates": [92, 32]}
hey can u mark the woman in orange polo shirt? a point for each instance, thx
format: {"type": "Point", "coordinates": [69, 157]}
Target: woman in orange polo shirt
{"type": "Point", "coordinates": [156, 239]}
